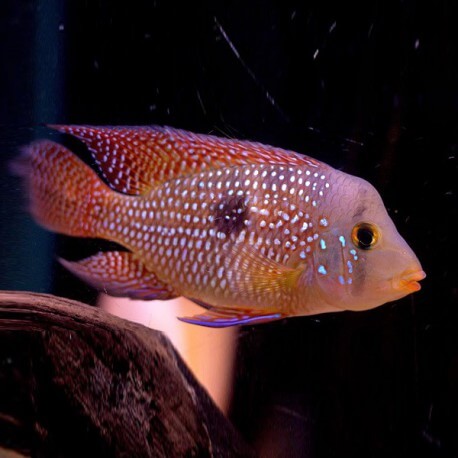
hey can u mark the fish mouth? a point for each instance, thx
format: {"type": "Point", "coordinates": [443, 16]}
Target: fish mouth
{"type": "Point", "coordinates": [408, 281]}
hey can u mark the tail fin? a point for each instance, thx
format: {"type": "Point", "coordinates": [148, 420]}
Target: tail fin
{"type": "Point", "coordinates": [65, 194]}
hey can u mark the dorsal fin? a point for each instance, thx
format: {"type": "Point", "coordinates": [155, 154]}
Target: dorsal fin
{"type": "Point", "coordinates": [133, 159]}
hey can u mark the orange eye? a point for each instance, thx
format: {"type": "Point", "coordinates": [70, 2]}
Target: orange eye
{"type": "Point", "coordinates": [365, 236]}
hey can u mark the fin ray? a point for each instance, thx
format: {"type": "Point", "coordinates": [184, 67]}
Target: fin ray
{"type": "Point", "coordinates": [222, 317]}
{"type": "Point", "coordinates": [255, 276]}
{"type": "Point", "coordinates": [65, 195]}
{"type": "Point", "coordinates": [119, 273]}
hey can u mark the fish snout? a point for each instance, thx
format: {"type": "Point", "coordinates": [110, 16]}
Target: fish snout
{"type": "Point", "coordinates": [408, 280]}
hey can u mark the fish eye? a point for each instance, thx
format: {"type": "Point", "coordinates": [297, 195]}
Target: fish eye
{"type": "Point", "coordinates": [365, 235]}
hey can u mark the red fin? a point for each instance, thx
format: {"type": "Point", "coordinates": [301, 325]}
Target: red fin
{"type": "Point", "coordinates": [65, 194]}
{"type": "Point", "coordinates": [222, 318]}
{"type": "Point", "coordinates": [118, 273]}
{"type": "Point", "coordinates": [134, 159]}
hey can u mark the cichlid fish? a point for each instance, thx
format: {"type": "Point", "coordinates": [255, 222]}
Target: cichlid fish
{"type": "Point", "coordinates": [251, 232]}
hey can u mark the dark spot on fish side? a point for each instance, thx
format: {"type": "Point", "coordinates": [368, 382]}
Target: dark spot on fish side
{"type": "Point", "coordinates": [230, 215]}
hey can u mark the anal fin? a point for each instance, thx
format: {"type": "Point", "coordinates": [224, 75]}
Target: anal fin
{"type": "Point", "coordinates": [119, 273]}
{"type": "Point", "coordinates": [222, 318]}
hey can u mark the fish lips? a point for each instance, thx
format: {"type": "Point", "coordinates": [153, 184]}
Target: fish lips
{"type": "Point", "coordinates": [409, 280]}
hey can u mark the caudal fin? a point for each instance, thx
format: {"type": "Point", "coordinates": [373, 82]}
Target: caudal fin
{"type": "Point", "coordinates": [65, 194]}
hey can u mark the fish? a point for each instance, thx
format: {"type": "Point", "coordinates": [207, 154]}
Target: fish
{"type": "Point", "coordinates": [251, 232]}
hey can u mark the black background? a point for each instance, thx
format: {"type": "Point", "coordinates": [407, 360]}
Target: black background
{"type": "Point", "coordinates": [371, 88]}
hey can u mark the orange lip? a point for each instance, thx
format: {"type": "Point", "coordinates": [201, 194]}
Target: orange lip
{"type": "Point", "coordinates": [409, 281]}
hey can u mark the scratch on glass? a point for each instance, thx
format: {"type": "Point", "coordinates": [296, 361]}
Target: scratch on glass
{"type": "Point", "coordinates": [250, 72]}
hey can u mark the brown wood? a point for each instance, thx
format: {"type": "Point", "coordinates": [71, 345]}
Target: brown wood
{"type": "Point", "coordinates": [77, 381]}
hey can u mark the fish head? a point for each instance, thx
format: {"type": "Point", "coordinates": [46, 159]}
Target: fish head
{"type": "Point", "coordinates": [361, 261]}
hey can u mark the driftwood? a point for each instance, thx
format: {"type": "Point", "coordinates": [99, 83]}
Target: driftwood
{"type": "Point", "coordinates": [76, 381]}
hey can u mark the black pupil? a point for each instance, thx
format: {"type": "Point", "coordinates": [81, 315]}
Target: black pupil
{"type": "Point", "coordinates": [365, 237]}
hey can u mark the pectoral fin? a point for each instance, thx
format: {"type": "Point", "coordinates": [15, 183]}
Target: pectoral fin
{"type": "Point", "coordinates": [119, 273]}
{"type": "Point", "coordinates": [221, 318]}
{"type": "Point", "coordinates": [256, 276]}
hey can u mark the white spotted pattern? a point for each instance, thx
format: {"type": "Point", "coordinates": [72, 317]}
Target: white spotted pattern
{"type": "Point", "coordinates": [177, 230]}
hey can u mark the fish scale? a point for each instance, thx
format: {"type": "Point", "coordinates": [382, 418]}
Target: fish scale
{"type": "Point", "coordinates": [252, 232]}
{"type": "Point", "coordinates": [175, 228]}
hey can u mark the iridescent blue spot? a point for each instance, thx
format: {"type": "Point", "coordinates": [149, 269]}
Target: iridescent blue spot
{"type": "Point", "coordinates": [350, 267]}
{"type": "Point", "coordinates": [342, 240]}
{"type": "Point", "coordinates": [341, 280]}
{"type": "Point", "coordinates": [322, 244]}
{"type": "Point", "coordinates": [322, 270]}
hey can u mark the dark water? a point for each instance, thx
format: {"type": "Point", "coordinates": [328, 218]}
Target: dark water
{"type": "Point", "coordinates": [371, 89]}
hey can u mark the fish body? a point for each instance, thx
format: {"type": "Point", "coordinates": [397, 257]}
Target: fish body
{"type": "Point", "coordinates": [252, 232]}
